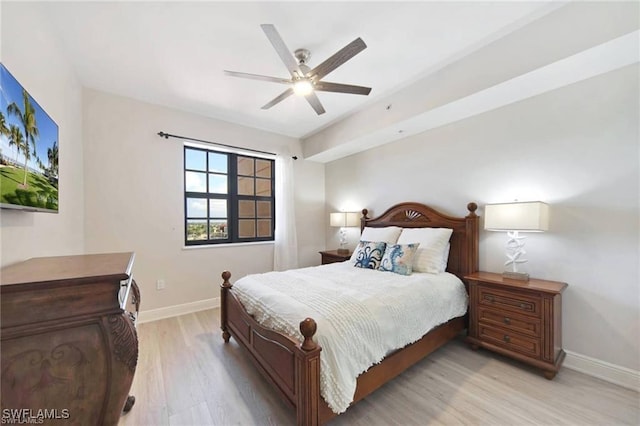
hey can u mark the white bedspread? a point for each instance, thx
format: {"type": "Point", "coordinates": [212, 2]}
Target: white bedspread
{"type": "Point", "coordinates": [361, 314]}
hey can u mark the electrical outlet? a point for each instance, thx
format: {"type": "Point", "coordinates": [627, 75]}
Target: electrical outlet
{"type": "Point", "coordinates": [160, 284]}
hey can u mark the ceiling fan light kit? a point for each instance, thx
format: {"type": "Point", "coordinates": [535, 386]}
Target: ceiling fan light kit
{"type": "Point", "coordinates": [305, 81]}
{"type": "Point", "coordinates": [302, 87]}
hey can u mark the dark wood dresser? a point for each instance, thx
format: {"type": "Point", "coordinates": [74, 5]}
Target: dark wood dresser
{"type": "Point", "coordinates": [69, 347]}
{"type": "Point", "coordinates": [520, 319]}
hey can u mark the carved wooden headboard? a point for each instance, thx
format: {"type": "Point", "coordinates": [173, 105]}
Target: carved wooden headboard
{"type": "Point", "coordinates": [463, 255]}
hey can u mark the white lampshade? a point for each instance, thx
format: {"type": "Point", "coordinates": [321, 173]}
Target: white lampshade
{"type": "Point", "coordinates": [344, 219]}
{"type": "Point", "coordinates": [526, 216]}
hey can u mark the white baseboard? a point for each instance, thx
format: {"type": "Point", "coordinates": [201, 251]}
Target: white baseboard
{"type": "Point", "coordinates": [612, 373]}
{"type": "Point", "coordinates": [175, 310]}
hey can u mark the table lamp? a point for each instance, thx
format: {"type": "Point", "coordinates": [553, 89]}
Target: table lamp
{"type": "Point", "coordinates": [516, 217]}
{"type": "Point", "coordinates": [344, 220]}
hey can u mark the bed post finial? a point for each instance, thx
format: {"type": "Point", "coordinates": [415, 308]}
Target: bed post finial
{"type": "Point", "coordinates": [308, 328]}
{"type": "Point", "coordinates": [472, 207]}
{"type": "Point", "coordinates": [363, 219]}
{"type": "Point", "coordinates": [225, 276]}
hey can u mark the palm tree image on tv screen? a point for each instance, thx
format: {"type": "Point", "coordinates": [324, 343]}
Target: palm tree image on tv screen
{"type": "Point", "coordinates": [28, 150]}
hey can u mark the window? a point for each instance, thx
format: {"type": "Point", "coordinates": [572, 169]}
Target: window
{"type": "Point", "coordinates": [228, 197]}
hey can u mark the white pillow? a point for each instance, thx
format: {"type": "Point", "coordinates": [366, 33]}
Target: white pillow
{"type": "Point", "coordinates": [388, 234]}
{"type": "Point", "coordinates": [445, 258]}
{"type": "Point", "coordinates": [432, 254]}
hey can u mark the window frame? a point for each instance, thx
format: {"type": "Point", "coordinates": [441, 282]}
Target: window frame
{"type": "Point", "coordinates": [232, 197]}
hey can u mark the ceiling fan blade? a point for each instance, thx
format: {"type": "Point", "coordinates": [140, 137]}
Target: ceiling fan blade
{"type": "Point", "coordinates": [313, 100]}
{"type": "Point", "coordinates": [338, 58]}
{"type": "Point", "coordinates": [279, 98]}
{"type": "Point", "coordinates": [282, 50]}
{"type": "Point", "coordinates": [325, 86]}
{"type": "Point", "coordinates": [258, 77]}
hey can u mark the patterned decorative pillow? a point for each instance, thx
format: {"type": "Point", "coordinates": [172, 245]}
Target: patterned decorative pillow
{"type": "Point", "coordinates": [398, 258]}
{"type": "Point", "coordinates": [368, 254]}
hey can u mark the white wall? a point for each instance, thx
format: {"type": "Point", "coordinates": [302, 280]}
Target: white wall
{"type": "Point", "coordinates": [31, 54]}
{"type": "Point", "coordinates": [134, 197]}
{"type": "Point", "coordinates": [533, 58]}
{"type": "Point", "coordinates": [576, 148]}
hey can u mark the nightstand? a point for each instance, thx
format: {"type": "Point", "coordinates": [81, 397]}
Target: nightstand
{"type": "Point", "coordinates": [519, 319]}
{"type": "Point", "coordinates": [332, 256]}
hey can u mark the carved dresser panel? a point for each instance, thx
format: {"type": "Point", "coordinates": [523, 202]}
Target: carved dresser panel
{"type": "Point", "coordinates": [69, 347]}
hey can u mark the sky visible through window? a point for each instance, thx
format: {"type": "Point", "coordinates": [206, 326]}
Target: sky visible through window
{"type": "Point", "coordinates": [196, 181]}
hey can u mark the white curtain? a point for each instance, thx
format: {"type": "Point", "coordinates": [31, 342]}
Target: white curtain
{"type": "Point", "coordinates": [285, 253]}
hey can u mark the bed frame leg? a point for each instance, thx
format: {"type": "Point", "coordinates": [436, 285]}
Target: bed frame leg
{"type": "Point", "coordinates": [224, 291]}
{"type": "Point", "coordinates": [308, 377]}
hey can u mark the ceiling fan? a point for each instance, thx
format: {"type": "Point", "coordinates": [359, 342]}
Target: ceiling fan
{"type": "Point", "coordinates": [305, 81]}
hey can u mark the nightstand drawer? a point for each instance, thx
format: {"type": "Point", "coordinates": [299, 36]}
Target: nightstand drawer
{"type": "Point", "coordinates": [522, 324]}
{"type": "Point", "coordinates": [511, 301]}
{"type": "Point", "coordinates": [511, 341]}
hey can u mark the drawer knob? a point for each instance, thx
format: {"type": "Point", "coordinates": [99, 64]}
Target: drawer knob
{"type": "Point", "coordinates": [507, 320]}
{"type": "Point", "coordinates": [523, 306]}
{"type": "Point", "coordinates": [490, 298]}
{"type": "Point", "coordinates": [507, 338]}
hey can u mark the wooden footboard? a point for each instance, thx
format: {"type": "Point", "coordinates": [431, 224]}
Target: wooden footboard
{"type": "Point", "coordinates": [293, 368]}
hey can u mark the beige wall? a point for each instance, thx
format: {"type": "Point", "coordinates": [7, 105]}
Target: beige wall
{"type": "Point", "coordinates": [576, 148]}
{"type": "Point", "coordinates": [47, 76]}
{"type": "Point", "coordinates": [134, 197]}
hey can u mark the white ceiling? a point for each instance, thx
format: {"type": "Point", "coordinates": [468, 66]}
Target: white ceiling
{"type": "Point", "coordinates": [174, 54]}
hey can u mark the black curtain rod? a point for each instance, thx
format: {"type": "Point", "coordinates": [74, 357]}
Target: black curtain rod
{"type": "Point", "coordinates": [169, 135]}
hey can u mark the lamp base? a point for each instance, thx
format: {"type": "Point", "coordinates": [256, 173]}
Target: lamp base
{"type": "Point", "coordinates": [521, 276]}
{"type": "Point", "coordinates": [343, 251]}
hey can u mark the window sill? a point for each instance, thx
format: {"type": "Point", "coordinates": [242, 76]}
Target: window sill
{"type": "Point", "coordinates": [227, 245]}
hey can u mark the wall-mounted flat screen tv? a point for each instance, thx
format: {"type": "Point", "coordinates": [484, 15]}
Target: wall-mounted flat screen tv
{"type": "Point", "coordinates": [28, 150]}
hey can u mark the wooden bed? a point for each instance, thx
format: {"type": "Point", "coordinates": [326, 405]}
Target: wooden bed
{"type": "Point", "coordinates": [293, 368]}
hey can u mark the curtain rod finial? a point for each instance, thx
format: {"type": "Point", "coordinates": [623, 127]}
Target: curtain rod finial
{"type": "Point", "coordinates": [163, 135]}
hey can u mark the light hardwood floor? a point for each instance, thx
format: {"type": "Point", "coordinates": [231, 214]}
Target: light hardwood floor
{"type": "Point", "coordinates": [186, 375]}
